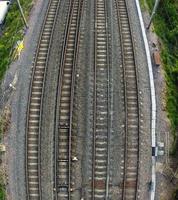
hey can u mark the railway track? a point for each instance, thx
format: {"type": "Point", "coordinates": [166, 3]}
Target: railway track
{"type": "Point", "coordinates": [101, 105]}
{"type": "Point", "coordinates": [130, 81]}
{"type": "Point", "coordinates": [64, 155]}
{"type": "Point", "coordinates": [35, 102]}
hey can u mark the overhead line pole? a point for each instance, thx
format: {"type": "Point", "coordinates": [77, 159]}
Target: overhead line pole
{"type": "Point", "coordinates": [153, 12]}
{"type": "Point", "coordinates": [22, 13]}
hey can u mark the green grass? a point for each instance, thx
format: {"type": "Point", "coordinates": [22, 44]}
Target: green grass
{"type": "Point", "coordinates": [1, 128]}
{"type": "Point", "coordinates": [4, 126]}
{"type": "Point", "coordinates": [2, 192]}
{"type": "Point", "coordinates": [2, 181]}
{"type": "Point", "coordinates": [143, 4]}
{"type": "Point", "coordinates": [166, 27]}
{"type": "Point", "coordinates": [12, 33]}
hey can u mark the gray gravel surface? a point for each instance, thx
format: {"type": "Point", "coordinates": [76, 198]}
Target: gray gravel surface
{"type": "Point", "coordinates": [85, 65]}
{"type": "Point", "coordinates": [164, 187]}
{"type": "Point", "coordinates": [18, 101]}
{"type": "Point", "coordinates": [117, 105]}
{"type": "Point", "coordinates": [81, 110]}
{"type": "Point", "coordinates": [49, 107]}
{"type": "Point", "coordinates": [83, 102]}
{"type": "Point", "coordinates": [145, 104]}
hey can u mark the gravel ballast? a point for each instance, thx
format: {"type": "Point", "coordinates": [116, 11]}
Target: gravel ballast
{"type": "Point", "coordinates": [83, 104]}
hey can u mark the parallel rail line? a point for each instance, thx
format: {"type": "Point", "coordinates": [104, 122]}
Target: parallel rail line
{"type": "Point", "coordinates": [65, 101]}
{"type": "Point", "coordinates": [132, 122]}
{"type": "Point", "coordinates": [101, 105]}
{"type": "Point", "coordinates": [33, 122]}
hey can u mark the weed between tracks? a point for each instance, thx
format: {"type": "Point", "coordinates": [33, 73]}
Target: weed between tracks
{"type": "Point", "coordinates": [12, 32]}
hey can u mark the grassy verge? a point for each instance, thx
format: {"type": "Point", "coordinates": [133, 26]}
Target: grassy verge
{"type": "Point", "coordinates": [2, 184]}
{"type": "Point", "coordinates": [143, 4]}
{"type": "Point", "coordinates": [166, 27]}
{"type": "Point", "coordinates": [2, 190]}
{"type": "Point", "coordinates": [4, 125]}
{"type": "Point", "coordinates": [13, 32]}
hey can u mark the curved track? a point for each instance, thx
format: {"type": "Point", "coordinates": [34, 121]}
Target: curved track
{"type": "Point", "coordinates": [35, 102]}
{"type": "Point", "coordinates": [65, 98]}
{"type": "Point", "coordinates": [131, 102]}
{"type": "Point", "coordinates": [101, 106]}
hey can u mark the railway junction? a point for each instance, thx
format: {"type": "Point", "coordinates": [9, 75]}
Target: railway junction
{"type": "Point", "coordinates": [84, 119]}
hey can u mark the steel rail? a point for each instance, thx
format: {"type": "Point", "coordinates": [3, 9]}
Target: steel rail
{"type": "Point", "coordinates": [108, 100]}
{"type": "Point", "coordinates": [95, 102]}
{"type": "Point", "coordinates": [94, 105]}
{"type": "Point", "coordinates": [58, 95]}
{"type": "Point", "coordinates": [57, 103]}
{"type": "Point", "coordinates": [138, 100]}
{"type": "Point", "coordinates": [35, 102]}
{"type": "Point", "coordinates": [72, 85]}
{"type": "Point", "coordinates": [126, 98]}
{"type": "Point", "coordinates": [94, 111]}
